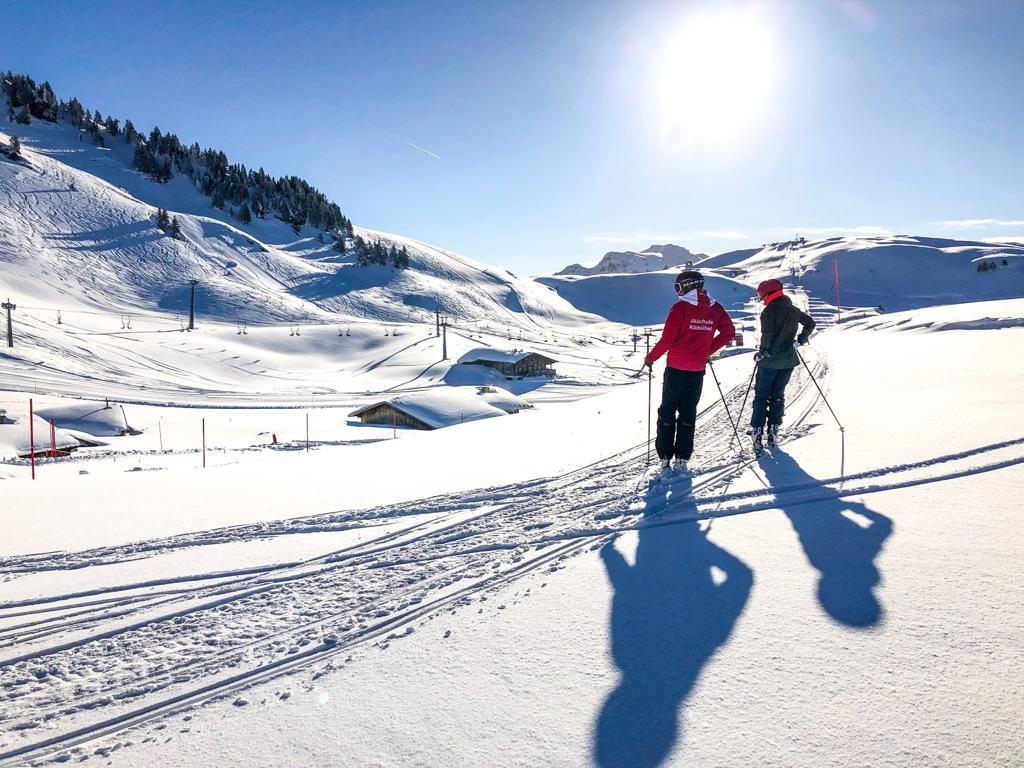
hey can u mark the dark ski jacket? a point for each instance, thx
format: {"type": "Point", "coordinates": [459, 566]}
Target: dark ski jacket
{"type": "Point", "coordinates": [779, 322]}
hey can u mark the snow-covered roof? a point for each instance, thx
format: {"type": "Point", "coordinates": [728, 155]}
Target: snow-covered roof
{"type": "Point", "coordinates": [89, 417]}
{"type": "Point", "coordinates": [445, 406]}
{"type": "Point", "coordinates": [15, 439]}
{"type": "Point", "coordinates": [489, 355]}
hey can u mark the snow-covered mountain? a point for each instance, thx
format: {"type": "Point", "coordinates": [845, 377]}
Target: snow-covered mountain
{"type": "Point", "coordinates": [643, 298]}
{"type": "Point", "coordinates": [652, 259]}
{"type": "Point", "coordinates": [77, 228]}
{"type": "Point", "coordinates": [889, 273]}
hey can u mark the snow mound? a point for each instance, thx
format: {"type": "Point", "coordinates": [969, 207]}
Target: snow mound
{"type": "Point", "coordinates": [982, 315]}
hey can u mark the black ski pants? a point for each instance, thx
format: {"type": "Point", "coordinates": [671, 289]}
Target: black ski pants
{"type": "Point", "coordinates": [769, 396]}
{"type": "Point", "coordinates": [677, 414]}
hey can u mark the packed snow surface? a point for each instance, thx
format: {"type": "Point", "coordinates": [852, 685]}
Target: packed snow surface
{"type": "Point", "coordinates": [521, 591]}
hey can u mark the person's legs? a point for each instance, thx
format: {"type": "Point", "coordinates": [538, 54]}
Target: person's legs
{"type": "Point", "coordinates": [664, 444]}
{"type": "Point", "coordinates": [776, 401]}
{"type": "Point", "coordinates": [762, 390]}
{"type": "Point", "coordinates": [692, 382]}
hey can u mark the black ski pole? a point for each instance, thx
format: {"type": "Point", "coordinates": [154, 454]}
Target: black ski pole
{"type": "Point", "coordinates": [842, 431]}
{"type": "Point", "coordinates": [819, 389]}
{"type": "Point", "coordinates": [721, 394]}
{"type": "Point", "coordinates": [746, 394]}
{"type": "Point", "coordinates": [650, 384]}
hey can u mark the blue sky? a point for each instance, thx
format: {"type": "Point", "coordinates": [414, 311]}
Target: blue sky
{"type": "Point", "coordinates": [536, 134]}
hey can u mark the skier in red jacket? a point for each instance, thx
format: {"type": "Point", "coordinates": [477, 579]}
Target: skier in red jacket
{"type": "Point", "coordinates": [697, 326]}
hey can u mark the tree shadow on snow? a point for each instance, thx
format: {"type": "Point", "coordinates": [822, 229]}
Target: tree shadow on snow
{"type": "Point", "coordinates": [669, 615]}
{"type": "Point", "coordinates": [117, 235]}
{"type": "Point", "coordinates": [841, 546]}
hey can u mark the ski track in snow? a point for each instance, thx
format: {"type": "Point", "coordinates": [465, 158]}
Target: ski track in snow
{"type": "Point", "coordinates": [87, 666]}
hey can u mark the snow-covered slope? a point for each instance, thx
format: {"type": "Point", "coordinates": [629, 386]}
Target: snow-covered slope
{"type": "Point", "coordinates": [641, 299]}
{"type": "Point", "coordinates": [77, 229]}
{"type": "Point", "coordinates": [653, 259]}
{"type": "Point", "coordinates": [894, 273]}
{"type": "Point", "coordinates": [517, 591]}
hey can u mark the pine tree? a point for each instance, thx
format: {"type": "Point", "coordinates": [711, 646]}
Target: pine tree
{"type": "Point", "coordinates": [175, 228]}
{"type": "Point", "coordinates": [245, 215]}
{"type": "Point", "coordinates": [163, 221]}
{"type": "Point", "coordinates": [15, 148]}
{"type": "Point", "coordinates": [402, 262]}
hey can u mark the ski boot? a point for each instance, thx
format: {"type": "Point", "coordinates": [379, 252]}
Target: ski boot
{"type": "Point", "coordinates": [680, 467]}
{"type": "Point", "coordinates": [773, 435]}
{"type": "Point", "coordinates": [757, 436]}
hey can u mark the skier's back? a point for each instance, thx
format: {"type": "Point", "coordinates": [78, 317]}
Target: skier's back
{"type": "Point", "coordinates": [697, 326]}
{"type": "Point", "coordinates": [781, 322]}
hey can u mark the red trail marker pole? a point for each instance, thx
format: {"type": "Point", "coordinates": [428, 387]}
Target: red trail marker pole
{"type": "Point", "coordinates": [53, 439]}
{"type": "Point", "coordinates": [32, 437]}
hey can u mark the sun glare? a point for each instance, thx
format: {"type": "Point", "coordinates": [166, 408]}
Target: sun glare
{"type": "Point", "coordinates": [714, 77]}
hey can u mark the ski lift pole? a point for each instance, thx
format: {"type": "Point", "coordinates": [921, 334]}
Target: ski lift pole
{"type": "Point", "coordinates": [842, 430]}
{"type": "Point", "coordinates": [32, 437]}
{"type": "Point", "coordinates": [721, 394]}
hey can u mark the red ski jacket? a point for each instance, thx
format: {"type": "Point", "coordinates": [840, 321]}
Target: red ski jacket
{"type": "Point", "coordinates": [690, 332]}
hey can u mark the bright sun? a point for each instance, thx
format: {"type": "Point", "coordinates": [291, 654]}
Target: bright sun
{"type": "Point", "coordinates": [714, 77]}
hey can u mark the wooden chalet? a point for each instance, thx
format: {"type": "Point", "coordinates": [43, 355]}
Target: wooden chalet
{"type": "Point", "coordinates": [516, 364]}
{"type": "Point", "coordinates": [441, 407]}
{"type": "Point", "coordinates": [389, 413]}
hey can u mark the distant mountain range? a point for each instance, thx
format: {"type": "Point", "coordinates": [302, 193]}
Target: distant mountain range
{"type": "Point", "coordinates": [652, 259]}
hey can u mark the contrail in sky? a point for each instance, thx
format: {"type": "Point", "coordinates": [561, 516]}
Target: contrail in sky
{"type": "Point", "coordinates": [421, 149]}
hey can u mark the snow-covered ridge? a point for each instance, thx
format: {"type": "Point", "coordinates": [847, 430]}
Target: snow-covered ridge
{"type": "Point", "coordinates": [642, 299]}
{"type": "Point", "coordinates": [652, 259]}
{"type": "Point", "coordinates": [889, 273]}
{"type": "Point", "coordinates": [77, 229]}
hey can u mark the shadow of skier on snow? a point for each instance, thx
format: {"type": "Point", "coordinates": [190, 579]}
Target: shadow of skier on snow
{"type": "Point", "coordinates": [841, 548]}
{"type": "Point", "coordinates": [669, 615]}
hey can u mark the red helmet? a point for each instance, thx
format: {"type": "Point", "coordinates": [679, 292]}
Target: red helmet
{"type": "Point", "coordinates": [767, 288]}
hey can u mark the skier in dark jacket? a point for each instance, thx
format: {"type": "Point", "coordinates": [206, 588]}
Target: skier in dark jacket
{"type": "Point", "coordinates": [776, 359]}
{"type": "Point", "coordinates": [696, 328]}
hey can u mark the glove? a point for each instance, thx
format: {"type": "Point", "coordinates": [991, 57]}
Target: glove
{"type": "Point", "coordinates": [649, 364]}
{"type": "Point", "coordinates": [801, 340]}
{"type": "Point", "coordinates": [759, 356]}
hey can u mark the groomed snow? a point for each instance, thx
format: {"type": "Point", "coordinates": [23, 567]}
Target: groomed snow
{"type": "Point", "coordinates": [545, 616]}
